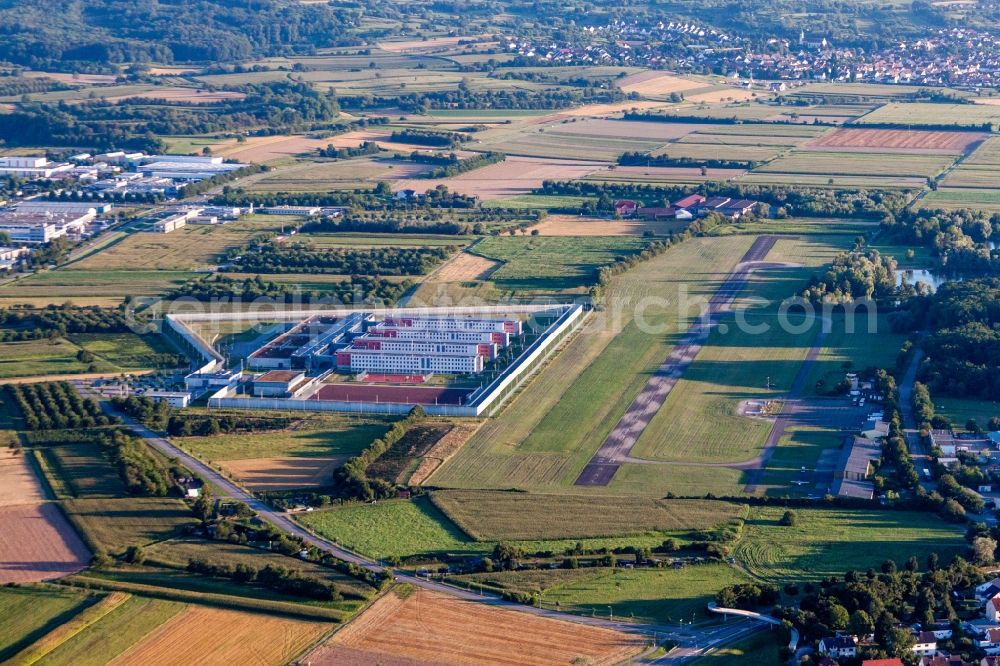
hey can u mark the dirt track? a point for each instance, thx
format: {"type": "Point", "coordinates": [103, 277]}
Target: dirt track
{"type": "Point", "coordinates": [617, 447]}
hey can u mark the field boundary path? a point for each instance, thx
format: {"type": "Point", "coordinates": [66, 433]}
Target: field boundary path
{"type": "Point", "coordinates": [617, 447]}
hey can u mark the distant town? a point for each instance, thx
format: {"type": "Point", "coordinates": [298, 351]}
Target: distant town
{"type": "Point", "coordinates": [956, 57]}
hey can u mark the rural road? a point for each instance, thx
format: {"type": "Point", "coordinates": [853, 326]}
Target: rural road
{"type": "Point", "coordinates": [691, 642]}
{"type": "Point", "coordinates": [617, 448]}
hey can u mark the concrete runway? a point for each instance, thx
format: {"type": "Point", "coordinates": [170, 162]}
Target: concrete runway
{"type": "Point", "coordinates": [617, 448]}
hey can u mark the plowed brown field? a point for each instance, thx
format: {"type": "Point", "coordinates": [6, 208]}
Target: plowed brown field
{"type": "Point", "coordinates": [897, 140]}
{"type": "Point", "coordinates": [36, 543]}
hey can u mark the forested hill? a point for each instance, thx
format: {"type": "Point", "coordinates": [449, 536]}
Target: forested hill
{"type": "Point", "coordinates": [82, 34]}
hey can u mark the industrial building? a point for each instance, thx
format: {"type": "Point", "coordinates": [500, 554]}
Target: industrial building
{"type": "Point", "coordinates": [185, 171]}
{"type": "Point", "coordinates": [42, 227]}
{"type": "Point", "coordinates": [31, 167]}
{"type": "Point", "coordinates": [382, 361]}
{"type": "Point", "coordinates": [63, 207]}
{"type": "Point", "coordinates": [360, 343]}
{"type": "Point", "coordinates": [305, 211]}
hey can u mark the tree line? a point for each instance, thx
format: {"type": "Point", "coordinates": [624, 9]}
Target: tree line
{"type": "Point", "coordinates": [136, 124]}
{"type": "Point", "coordinates": [356, 289]}
{"type": "Point", "coordinates": [56, 405]}
{"type": "Point", "coordinates": [60, 34]}
{"type": "Point", "coordinates": [799, 201]}
{"type": "Point", "coordinates": [351, 480]}
{"type": "Point", "coordinates": [424, 137]}
{"type": "Point", "coordinates": [300, 257]}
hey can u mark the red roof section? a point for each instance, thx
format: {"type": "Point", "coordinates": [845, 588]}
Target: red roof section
{"type": "Point", "coordinates": [688, 201]}
{"type": "Point", "coordinates": [895, 661]}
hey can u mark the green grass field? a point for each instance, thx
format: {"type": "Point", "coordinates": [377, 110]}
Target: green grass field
{"type": "Point", "coordinates": [953, 198]}
{"type": "Point", "coordinates": [645, 595]}
{"type": "Point", "coordinates": [968, 115]}
{"type": "Point", "coordinates": [545, 436]}
{"type": "Point", "coordinates": [365, 241]}
{"type": "Point", "coordinates": [760, 648]}
{"type": "Point", "coordinates": [45, 357]}
{"type": "Point", "coordinates": [857, 164]}
{"type": "Point", "coordinates": [535, 202]}
{"type": "Point", "coordinates": [115, 524]}
{"type": "Point", "coordinates": [177, 553]}
{"type": "Point", "coordinates": [28, 613]}
{"type": "Point", "coordinates": [327, 435]}
{"type": "Point", "coordinates": [830, 541]}
{"type": "Point", "coordinates": [404, 528]}
{"type": "Point", "coordinates": [113, 352]}
{"type": "Point", "coordinates": [89, 287]}
{"type": "Point", "coordinates": [960, 410]}
{"type": "Point", "coordinates": [552, 263]}
{"type": "Point", "coordinates": [84, 471]}
{"type": "Point", "coordinates": [113, 634]}
{"type": "Point", "coordinates": [543, 439]}
{"type": "Point", "coordinates": [171, 580]}
{"type": "Point", "coordinates": [495, 516]}
{"type": "Point", "coordinates": [125, 350]}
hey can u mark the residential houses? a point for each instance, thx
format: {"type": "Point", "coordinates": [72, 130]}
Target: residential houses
{"type": "Point", "coordinates": [956, 56]}
{"type": "Point", "coordinates": [691, 206]}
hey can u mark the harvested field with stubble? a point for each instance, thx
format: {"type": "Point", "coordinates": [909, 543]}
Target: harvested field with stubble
{"type": "Point", "coordinates": [513, 176]}
{"type": "Point", "coordinates": [464, 267]}
{"type": "Point", "coordinates": [266, 148]}
{"type": "Point", "coordinates": [201, 635]}
{"type": "Point", "coordinates": [904, 141]}
{"type": "Point", "coordinates": [662, 175]}
{"type": "Point", "coordinates": [428, 628]}
{"type": "Point", "coordinates": [442, 451]}
{"type": "Point", "coordinates": [18, 483]}
{"type": "Point", "coordinates": [722, 95]}
{"type": "Point", "coordinates": [182, 95]}
{"type": "Point", "coordinates": [429, 44]}
{"type": "Point", "coordinates": [575, 225]}
{"type": "Point", "coordinates": [323, 176]}
{"type": "Point", "coordinates": [655, 83]}
{"type": "Point", "coordinates": [264, 474]}
{"type": "Point", "coordinates": [497, 515]}
{"type": "Point", "coordinates": [38, 544]}
{"type": "Point", "coordinates": [626, 129]}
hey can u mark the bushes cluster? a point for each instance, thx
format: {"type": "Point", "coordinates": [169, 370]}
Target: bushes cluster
{"type": "Point", "coordinates": [56, 405]}
{"type": "Point", "coordinates": [280, 579]}
{"type": "Point", "coordinates": [62, 319]}
{"type": "Point", "coordinates": [152, 413]}
{"type": "Point", "coordinates": [645, 159]}
{"type": "Point", "coordinates": [430, 138]}
{"type": "Point", "coordinates": [868, 275]}
{"type": "Point", "coordinates": [790, 200]}
{"type": "Point", "coordinates": [142, 473]}
{"type": "Point", "coordinates": [186, 425]}
{"type": "Point", "coordinates": [494, 98]}
{"type": "Point", "coordinates": [266, 257]}
{"type": "Point", "coordinates": [452, 165]}
{"type": "Point", "coordinates": [380, 198]}
{"type": "Point", "coordinates": [748, 596]}
{"type": "Point", "coordinates": [366, 148]}
{"type": "Point", "coordinates": [351, 479]}
{"type": "Point", "coordinates": [357, 289]}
